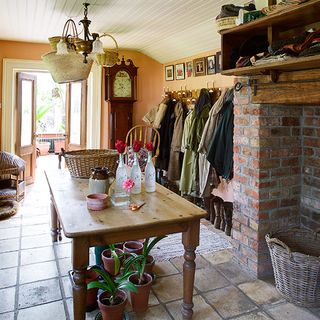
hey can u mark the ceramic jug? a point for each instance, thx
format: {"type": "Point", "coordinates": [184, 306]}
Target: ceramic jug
{"type": "Point", "coordinates": [100, 180]}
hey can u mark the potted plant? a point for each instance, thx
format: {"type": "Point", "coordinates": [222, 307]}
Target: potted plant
{"type": "Point", "coordinates": [113, 299]}
{"type": "Point", "coordinates": [111, 259]}
{"type": "Point", "coordinates": [141, 279]}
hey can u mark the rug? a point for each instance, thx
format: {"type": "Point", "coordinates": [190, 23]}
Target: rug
{"type": "Point", "coordinates": [171, 246]}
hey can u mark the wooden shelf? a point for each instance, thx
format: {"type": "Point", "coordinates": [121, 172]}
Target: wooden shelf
{"type": "Point", "coordinates": [294, 64]}
{"type": "Point", "coordinates": [282, 25]}
{"type": "Point", "coordinates": [303, 14]}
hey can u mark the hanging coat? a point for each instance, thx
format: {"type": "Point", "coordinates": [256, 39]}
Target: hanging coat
{"type": "Point", "coordinates": [220, 153]}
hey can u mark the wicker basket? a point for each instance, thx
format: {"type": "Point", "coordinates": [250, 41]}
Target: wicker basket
{"type": "Point", "coordinates": [80, 162]}
{"type": "Point", "coordinates": [295, 256]}
{"type": "Point", "coordinates": [225, 23]}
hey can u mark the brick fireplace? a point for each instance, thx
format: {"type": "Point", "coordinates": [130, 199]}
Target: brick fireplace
{"type": "Point", "coordinates": [277, 174]}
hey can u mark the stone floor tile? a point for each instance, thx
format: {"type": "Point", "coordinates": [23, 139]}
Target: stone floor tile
{"type": "Point", "coordinates": [200, 262]}
{"type": "Point", "coordinates": [65, 266]}
{"type": "Point", "coordinates": [63, 250]}
{"type": "Point", "coordinates": [36, 241]}
{"type": "Point", "coordinates": [218, 257]}
{"type": "Point", "coordinates": [7, 299]}
{"type": "Point", "coordinates": [288, 311]}
{"type": "Point", "coordinates": [40, 292]}
{"type": "Point", "coordinates": [209, 279]}
{"type": "Point", "coordinates": [10, 233]}
{"type": "Point", "coordinates": [34, 220]}
{"type": "Point", "coordinates": [30, 210]}
{"type": "Point", "coordinates": [48, 311]}
{"type": "Point", "coordinates": [261, 292]}
{"type": "Point", "coordinates": [164, 268]}
{"type": "Point", "coordinates": [35, 255]}
{"type": "Point", "coordinates": [8, 277]}
{"type": "Point", "coordinates": [67, 287]}
{"type": "Point", "coordinates": [201, 310]}
{"type": "Point", "coordinates": [233, 272]}
{"type": "Point", "coordinates": [153, 313]}
{"type": "Point", "coordinates": [168, 288]}
{"type": "Point", "coordinates": [229, 301]}
{"type": "Point", "coordinates": [254, 316]}
{"type": "Point", "coordinates": [9, 259]}
{"type": "Point", "coordinates": [38, 271]}
{"type": "Point", "coordinates": [89, 315]}
{"type": "Point", "coordinates": [7, 316]}
{"type": "Point", "coordinates": [9, 245]}
{"type": "Point", "coordinates": [35, 230]}
{"type": "Point", "coordinates": [10, 223]}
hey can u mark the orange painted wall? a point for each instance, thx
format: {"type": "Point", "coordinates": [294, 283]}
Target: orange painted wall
{"type": "Point", "coordinates": [149, 90]}
{"type": "Point", "coordinates": [19, 50]}
{"type": "Point", "coordinates": [213, 80]}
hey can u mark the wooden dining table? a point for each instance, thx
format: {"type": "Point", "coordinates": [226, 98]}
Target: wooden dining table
{"type": "Point", "coordinates": [164, 213]}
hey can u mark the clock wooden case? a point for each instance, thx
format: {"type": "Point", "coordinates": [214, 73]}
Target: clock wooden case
{"type": "Point", "coordinates": [120, 92]}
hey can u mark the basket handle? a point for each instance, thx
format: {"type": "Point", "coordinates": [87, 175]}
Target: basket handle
{"type": "Point", "coordinates": [61, 154]}
{"type": "Point", "coordinates": [110, 36]}
{"type": "Point", "coordinates": [280, 243]}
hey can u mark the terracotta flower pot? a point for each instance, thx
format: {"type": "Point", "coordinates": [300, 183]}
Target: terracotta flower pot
{"type": "Point", "coordinates": [115, 311]}
{"type": "Point", "coordinates": [108, 260]}
{"type": "Point", "coordinates": [140, 299]}
{"type": "Point", "coordinates": [133, 247]}
{"type": "Point", "coordinates": [149, 265]}
{"type": "Point", "coordinates": [91, 302]}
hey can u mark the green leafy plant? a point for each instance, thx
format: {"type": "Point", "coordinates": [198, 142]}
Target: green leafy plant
{"type": "Point", "coordinates": [116, 257]}
{"type": "Point", "coordinates": [113, 285]}
{"type": "Point", "coordinates": [139, 261]}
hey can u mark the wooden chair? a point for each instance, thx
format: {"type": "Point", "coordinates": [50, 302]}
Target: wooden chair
{"type": "Point", "coordinates": [145, 133]}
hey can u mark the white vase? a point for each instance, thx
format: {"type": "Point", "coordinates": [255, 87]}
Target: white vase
{"type": "Point", "coordinates": [150, 175]}
{"type": "Point", "coordinates": [136, 175]}
{"type": "Point", "coordinates": [120, 196]}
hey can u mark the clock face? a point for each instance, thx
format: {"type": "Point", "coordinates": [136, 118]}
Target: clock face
{"type": "Point", "coordinates": [122, 85]}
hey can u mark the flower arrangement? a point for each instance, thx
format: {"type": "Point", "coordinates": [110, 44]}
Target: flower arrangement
{"type": "Point", "coordinates": [128, 184]}
{"type": "Point", "coordinates": [136, 145]}
{"type": "Point", "coordinates": [149, 146]}
{"type": "Point", "coordinates": [120, 146]}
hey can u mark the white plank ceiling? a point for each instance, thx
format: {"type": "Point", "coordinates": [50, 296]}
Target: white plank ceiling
{"type": "Point", "coordinates": [165, 30]}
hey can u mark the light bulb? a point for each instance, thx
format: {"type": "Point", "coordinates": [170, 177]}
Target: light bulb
{"type": "Point", "coordinates": [97, 46]}
{"type": "Point", "coordinates": [62, 47]}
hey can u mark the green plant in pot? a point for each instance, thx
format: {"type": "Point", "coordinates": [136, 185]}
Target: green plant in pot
{"type": "Point", "coordinates": [113, 299]}
{"type": "Point", "coordinates": [141, 279]}
{"type": "Point", "coordinates": [112, 259]}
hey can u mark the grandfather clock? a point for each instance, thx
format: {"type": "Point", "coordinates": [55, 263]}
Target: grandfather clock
{"type": "Point", "coordinates": [121, 92]}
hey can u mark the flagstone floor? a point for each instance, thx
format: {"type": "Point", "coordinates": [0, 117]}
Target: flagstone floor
{"type": "Point", "coordinates": [34, 281]}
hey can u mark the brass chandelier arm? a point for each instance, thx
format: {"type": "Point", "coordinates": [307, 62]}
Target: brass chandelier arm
{"type": "Point", "coordinates": [70, 25]}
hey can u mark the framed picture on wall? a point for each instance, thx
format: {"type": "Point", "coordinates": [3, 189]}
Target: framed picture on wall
{"type": "Point", "coordinates": [180, 71]}
{"type": "Point", "coordinates": [169, 73]}
{"type": "Point", "coordinates": [189, 69]}
{"type": "Point", "coordinates": [211, 64]}
{"type": "Point", "coordinates": [218, 62]}
{"type": "Point", "coordinates": [199, 66]}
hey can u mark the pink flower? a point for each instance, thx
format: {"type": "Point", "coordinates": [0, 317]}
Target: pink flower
{"type": "Point", "coordinates": [136, 145]}
{"type": "Point", "coordinates": [149, 146]}
{"type": "Point", "coordinates": [128, 184]}
{"type": "Point", "coordinates": [121, 146]}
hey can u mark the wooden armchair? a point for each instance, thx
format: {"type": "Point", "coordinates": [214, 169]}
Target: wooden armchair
{"type": "Point", "coordinates": [145, 133]}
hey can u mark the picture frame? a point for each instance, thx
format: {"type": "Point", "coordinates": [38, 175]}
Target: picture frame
{"type": "Point", "coordinates": [169, 75]}
{"type": "Point", "coordinates": [180, 73]}
{"type": "Point", "coordinates": [189, 69]}
{"type": "Point", "coordinates": [218, 62]}
{"type": "Point", "coordinates": [199, 66]}
{"type": "Point", "coordinates": [211, 64]}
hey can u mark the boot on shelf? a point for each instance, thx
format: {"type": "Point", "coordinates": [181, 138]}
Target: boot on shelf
{"type": "Point", "coordinates": [228, 210]}
{"type": "Point", "coordinates": [212, 210]}
{"type": "Point", "coordinates": [223, 218]}
{"type": "Point", "coordinates": [217, 207]}
{"type": "Point", "coordinates": [206, 202]}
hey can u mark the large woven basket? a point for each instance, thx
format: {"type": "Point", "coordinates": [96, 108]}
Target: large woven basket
{"type": "Point", "coordinates": [225, 23]}
{"type": "Point", "coordinates": [80, 162]}
{"type": "Point", "coordinates": [295, 256]}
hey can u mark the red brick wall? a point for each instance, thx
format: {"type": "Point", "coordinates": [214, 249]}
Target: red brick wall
{"type": "Point", "coordinates": [268, 176]}
{"type": "Point", "coordinates": [310, 195]}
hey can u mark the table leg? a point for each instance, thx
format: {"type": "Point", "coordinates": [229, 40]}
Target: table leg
{"type": "Point", "coordinates": [190, 240]}
{"type": "Point", "coordinates": [80, 261]}
{"type": "Point", "coordinates": [54, 221]}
